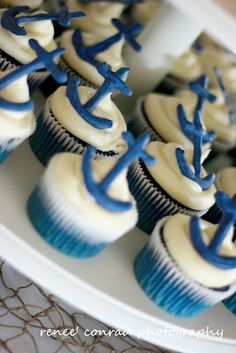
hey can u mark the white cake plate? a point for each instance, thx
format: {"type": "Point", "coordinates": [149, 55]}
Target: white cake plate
{"type": "Point", "coordinates": [105, 286]}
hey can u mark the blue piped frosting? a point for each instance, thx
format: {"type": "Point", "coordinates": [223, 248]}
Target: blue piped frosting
{"type": "Point", "coordinates": [43, 59]}
{"type": "Point", "coordinates": [113, 81]}
{"type": "Point", "coordinates": [12, 23]}
{"type": "Point", "coordinates": [88, 53]}
{"type": "Point", "coordinates": [197, 135]}
{"type": "Point", "coordinates": [100, 190]}
{"type": "Point", "coordinates": [227, 97]}
{"type": "Point", "coordinates": [211, 253]}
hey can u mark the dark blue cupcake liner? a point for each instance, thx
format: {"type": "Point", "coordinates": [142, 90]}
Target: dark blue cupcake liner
{"type": "Point", "coordinates": [55, 227]}
{"type": "Point", "coordinates": [139, 124]}
{"type": "Point", "coordinates": [51, 137]}
{"type": "Point", "coordinates": [152, 201]}
{"type": "Point", "coordinates": [35, 79]}
{"type": "Point", "coordinates": [168, 286]}
{"type": "Point", "coordinates": [230, 304]}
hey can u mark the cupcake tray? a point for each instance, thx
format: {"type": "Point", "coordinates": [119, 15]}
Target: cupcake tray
{"type": "Point", "coordinates": [105, 286]}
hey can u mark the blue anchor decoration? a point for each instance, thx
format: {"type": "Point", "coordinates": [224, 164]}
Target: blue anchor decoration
{"type": "Point", "coordinates": [88, 53]}
{"type": "Point", "coordinates": [198, 136]}
{"type": "Point", "coordinates": [44, 59]}
{"type": "Point", "coordinates": [200, 89]}
{"type": "Point", "coordinates": [99, 190]}
{"type": "Point", "coordinates": [226, 95]}
{"type": "Point", "coordinates": [12, 23]}
{"type": "Point", "coordinates": [210, 253]}
{"type": "Point", "coordinates": [113, 81]}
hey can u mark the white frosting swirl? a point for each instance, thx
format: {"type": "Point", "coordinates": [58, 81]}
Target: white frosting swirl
{"type": "Point", "coordinates": [33, 4]}
{"type": "Point", "coordinates": [226, 180]}
{"type": "Point", "coordinates": [112, 56]}
{"type": "Point", "coordinates": [161, 111]}
{"type": "Point", "coordinates": [103, 139]}
{"type": "Point", "coordinates": [18, 47]}
{"type": "Point", "coordinates": [216, 116]}
{"type": "Point", "coordinates": [15, 124]}
{"type": "Point", "coordinates": [187, 67]}
{"type": "Point", "coordinates": [64, 178]}
{"type": "Point", "coordinates": [98, 16]}
{"type": "Point", "coordinates": [214, 57]}
{"type": "Point", "coordinates": [176, 234]}
{"type": "Point", "coordinates": [167, 173]}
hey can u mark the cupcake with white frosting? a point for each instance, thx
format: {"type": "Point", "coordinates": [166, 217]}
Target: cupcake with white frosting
{"type": "Point", "coordinates": [165, 189]}
{"type": "Point", "coordinates": [33, 4]}
{"type": "Point", "coordinates": [189, 265]}
{"type": "Point", "coordinates": [85, 50]}
{"type": "Point", "coordinates": [77, 189]}
{"type": "Point", "coordinates": [15, 50]}
{"type": "Point", "coordinates": [17, 120]}
{"type": "Point", "coordinates": [220, 116]}
{"type": "Point", "coordinates": [77, 116]}
{"type": "Point", "coordinates": [161, 115]}
{"type": "Point", "coordinates": [187, 68]}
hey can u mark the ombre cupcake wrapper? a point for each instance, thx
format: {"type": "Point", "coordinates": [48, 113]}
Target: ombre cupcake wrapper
{"type": "Point", "coordinates": [35, 79]}
{"type": "Point", "coordinates": [70, 72]}
{"type": "Point", "coordinates": [139, 123]}
{"type": "Point", "coordinates": [51, 137]}
{"type": "Point", "coordinates": [152, 201]}
{"type": "Point", "coordinates": [230, 303]}
{"type": "Point", "coordinates": [56, 227]}
{"type": "Point", "coordinates": [167, 286]}
{"type": "Point", "coordinates": [8, 147]}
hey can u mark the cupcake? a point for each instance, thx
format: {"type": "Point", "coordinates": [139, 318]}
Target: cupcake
{"type": "Point", "coordinates": [220, 116]}
{"type": "Point", "coordinates": [16, 109]}
{"type": "Point", "coordinates": [84, 51]}
{"type": "Point", "coordinates": [188, 264]}
{"type": "Point", "coordinates": [77, 189]}
{"type": "Point", "coordinates": [15, 34]}
{"type": "Point", "coordinates": [177, 183]}
{"type": "Point", "coordinates": [164, 190]}
{"type": "Point", "coordinates": [187, 68]}
{"type": "Point", "coordinates": [33, 4]}
{"type": "Point", "coordinates": [17, 121]}
{"type": "Point", "coordinates": [75, 117]}
{"type": "Point", "coordinates": [161, 115]}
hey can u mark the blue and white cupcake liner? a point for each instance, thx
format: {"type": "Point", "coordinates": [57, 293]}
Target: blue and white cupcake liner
{"type": "Point", "coordinates": [35, 79]}
{"type": "Point", "coordinates": [57, 223]}
{"type": "Point", "coordinates": [152, 201]}
{"type": "Point", "coordinates": [168, 286]}
{"type": "Point", "coordinates": [230, 303]}
{"type": "Point", "coordinates": [7, 146]}
{"type": "Point", "coordinates": [51, 137]}
{"type": "Point", "coordinates": [139, 124]}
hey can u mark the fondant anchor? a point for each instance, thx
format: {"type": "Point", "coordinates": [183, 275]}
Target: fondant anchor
{"type": "Point", "coordinates": [211, 252]}
{"type": "Point", "coordinates": [100, 190]}
{"type": "Point", "coordinates": [44, 59]}
{"type": "Point", "coordinates": [226, 95]}
{"type": "Point", "coordinates": [12, 23]}
{"type": "Point", "coordinates": [113, 81]}
{"type": "Point", "coordinates": [88, 53]}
